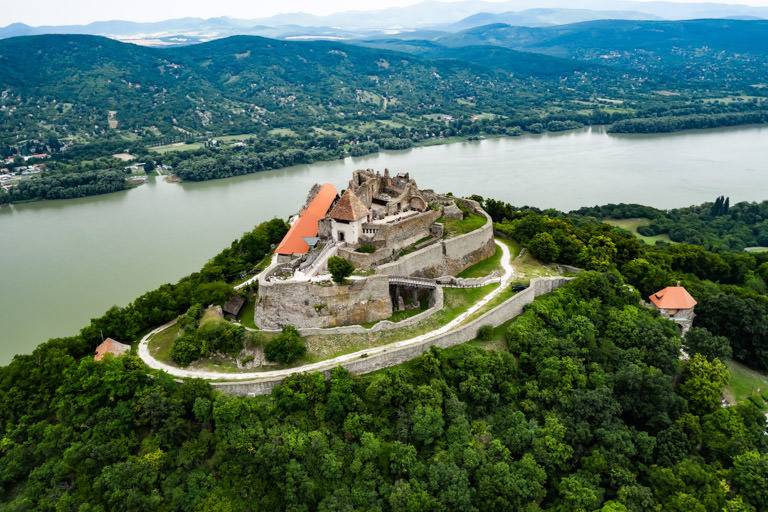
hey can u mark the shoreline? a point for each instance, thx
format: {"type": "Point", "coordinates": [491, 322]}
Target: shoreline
{"type": "Point", "coordinates": [423, 144]}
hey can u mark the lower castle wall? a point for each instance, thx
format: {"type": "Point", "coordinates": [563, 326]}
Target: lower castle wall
{"type": "Point", "coordinates": [507, 310]}
{"type": "Point", "coordinates": [306, 304]}
{"type": "Point", "coordinates": [436, 304]}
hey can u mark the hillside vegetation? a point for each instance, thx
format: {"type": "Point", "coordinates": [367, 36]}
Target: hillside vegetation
{"type": "Point", "coordinates": [584, 405]}
{"type": "Point", "coordinates": [246, 104]}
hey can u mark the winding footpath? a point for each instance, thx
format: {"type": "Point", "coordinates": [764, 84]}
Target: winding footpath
{"type": "Point", "coordinates": [327, 364]}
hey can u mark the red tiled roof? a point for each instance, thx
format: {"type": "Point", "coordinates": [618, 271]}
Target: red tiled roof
{"type": "Point", "coordinates": [673, 297]}
{"type": "Point", "coordinates": [306, 225]}
{"type": "Point", "coordinates": [349, 208]}
{"type": "Point", "coordinates": [112, 347]}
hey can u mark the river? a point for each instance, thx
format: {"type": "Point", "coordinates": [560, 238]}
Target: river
{"type": "Point", "coordinates": [64, 262]}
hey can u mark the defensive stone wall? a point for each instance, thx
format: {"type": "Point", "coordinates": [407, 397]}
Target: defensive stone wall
{"type": "Point", "coordinates": [426, 262]}
{"type": "Point", "coordinates": [449, 257]}
{"type": "Point", "coordinates": [436, 304]}
{"type": "Point", "coordinates": [400, 234]}
{"type": "Point", "coordinates": [364, 260]}
{"type": "Point", "coordinates": [398, 355]}
{"type": "Point", "coordinates": [306, 304]}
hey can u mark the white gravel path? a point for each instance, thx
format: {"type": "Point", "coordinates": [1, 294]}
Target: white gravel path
{"type": "Point", "coordinates": [336, 361]}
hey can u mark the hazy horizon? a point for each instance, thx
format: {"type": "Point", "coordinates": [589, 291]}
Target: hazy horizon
{"type": "Point", "coordinates": [82, 12]}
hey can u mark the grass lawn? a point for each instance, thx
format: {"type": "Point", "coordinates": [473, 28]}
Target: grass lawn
{"type": "Point", "coordinates": [454, 227]}
{"type": "Point", "coordinates": [485, 267]}
{"type": "Point", "coordinates": [246, 314]}
{"type": "Point", "coordinates": [745, 383]}
{"type": "Point", "coordinates": [237, 138]}
{"type": "Point", "coordinates": [282, 132]}
{"type": "Point", "coordinates": [631, 225]}
{"type": "Point", "coordinates": [174, 147]}
{"type": "Point", "coordinates": [397, 316]}
{"type": "Point", "coordinates": [160, 344]}
{"type": "Point", "coordinates": [267, 261]}
{"type": "Point", "coordinates": [496, 301]}
{"type": "Point", "coordinates": [210, 315]}
{"type": "Point", "coordinates": [527, 267]}
{"type": "Point", "coordinates": [498, 342]}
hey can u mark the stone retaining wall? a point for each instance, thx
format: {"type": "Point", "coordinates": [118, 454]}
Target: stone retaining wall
{"type": "Point", "coordinates": [384, 325]}
{"type": "Point", "coordinates": [448, 257]}
{"type": "Point", "coordinates": [497, 316]}
{"type": "Point", "coordinates": [307, 304]}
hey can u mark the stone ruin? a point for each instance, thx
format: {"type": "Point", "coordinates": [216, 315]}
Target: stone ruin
{"type": "Point", "coordinates": [391, 214]}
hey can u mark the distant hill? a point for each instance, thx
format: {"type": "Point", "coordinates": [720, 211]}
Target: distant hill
{"type": "Point", "coordinates": [729, 35]}
{"type": "Point", "coordinates": [692, 51]}
{"type": "Point", "coordinates": [492, 57]}
{"type": "Point", "coordinates": [543, 17]}
{"type": "Point", "coordinates": [430, 14]}
{"type": "Point", "coordinates": [243, 83]}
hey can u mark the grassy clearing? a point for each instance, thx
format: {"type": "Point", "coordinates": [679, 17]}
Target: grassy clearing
{"type": "Point", "coordinates": [397, 316]}
{"type": "Point", "coordinates": [264, 263]}
{"type": "Point", "coordinates": [389, 123]}
{"type": "Point", "coordinates": [485, 267]}
{"type": "Point", "coordinates": [631, 225]}
{"type": "Point", "coordinates": [177, 147]}
{"type": "Point", "coordinates": [498, 342]}
{"type": "Point", "coordinates": [505, 295]}
{"type": "Point", "coordinates": [332, 345]}
{"type": "Point", "coordinates": [237, 138]}
{"type": "Point", "coordinates": [160, 344]}
{"type": "Point", "coordinates": [210, 315]}
{"type": "Point", "coordinates": [527, 267]}
{"type": "Point", "coordinates": [246, 314]}
{"type": "Point", "coordinates": [746, 383]}
{"type": "Point", "coordinates": [455, 227]}
{"type": "Point", "coordinates": [282, 132]}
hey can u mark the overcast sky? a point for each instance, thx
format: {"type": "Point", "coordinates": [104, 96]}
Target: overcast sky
{"type": "Point", "coordinates": [64, 12]}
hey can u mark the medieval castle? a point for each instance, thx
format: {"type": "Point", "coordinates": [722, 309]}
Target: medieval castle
{"type": "Point", "coordinates": [390, 230]}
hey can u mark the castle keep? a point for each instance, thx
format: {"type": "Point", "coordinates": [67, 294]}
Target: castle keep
{"type": "Point", "coordinates": [397, 226]}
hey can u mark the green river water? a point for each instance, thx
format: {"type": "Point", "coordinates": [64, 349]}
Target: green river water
{"type": "Point", "coordinates": [63, 262]}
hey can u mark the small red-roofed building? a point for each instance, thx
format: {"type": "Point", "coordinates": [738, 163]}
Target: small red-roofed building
{"type": "Point", "coordinates": [675, 303]}
{"type": "Point", "coordinates": [110, 346]}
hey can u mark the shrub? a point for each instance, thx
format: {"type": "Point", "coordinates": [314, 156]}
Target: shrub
{"type": "Point", "coordinates": [366, 248]}
{"type": "Point", "coordinates": [485, 333]}
{"type": "Point", "coordinates": [286, 347]}
{"type": "Point", "coordinates": [185, 350]}
{"type": "Point", "coordinates": [339, 268]}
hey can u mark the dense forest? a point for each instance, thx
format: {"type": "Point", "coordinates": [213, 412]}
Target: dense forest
{"type": "Point", "coordinates": [717, 226]}
{"type": "Point", "coordinates": [730, 287]}
{"type": "Point", "coordinates": [589, 406]}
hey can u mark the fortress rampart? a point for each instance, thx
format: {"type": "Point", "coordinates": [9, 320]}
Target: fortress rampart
{"type": "Point", "coordinates": [367, 363]}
